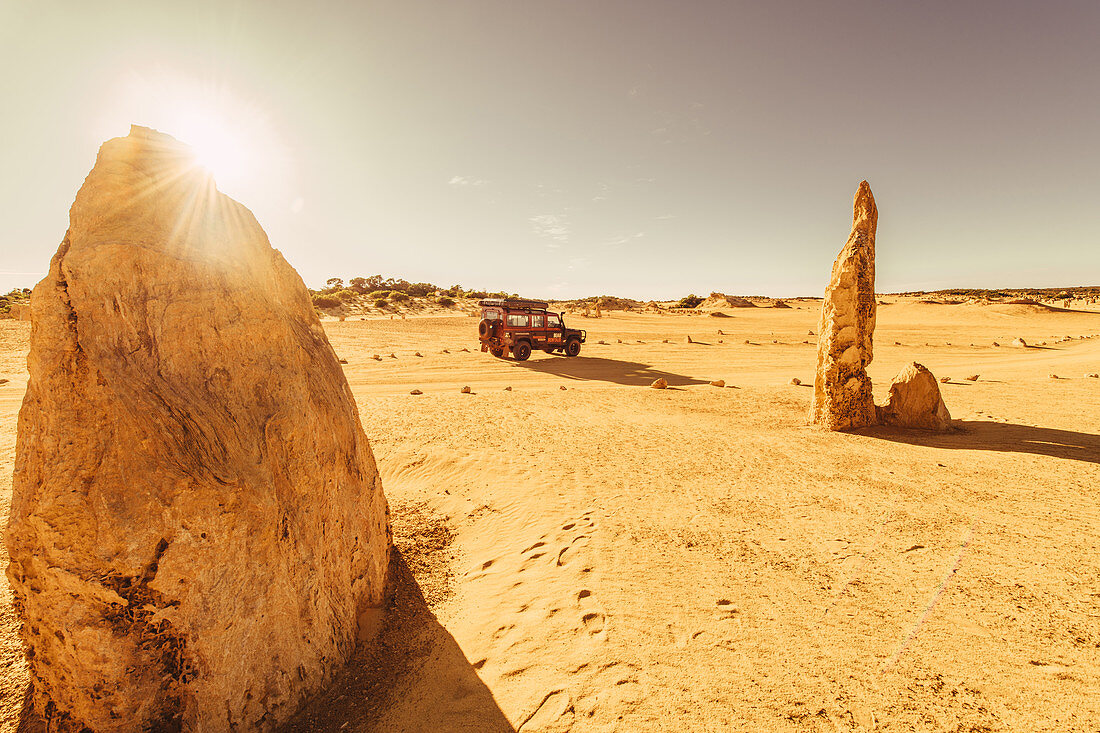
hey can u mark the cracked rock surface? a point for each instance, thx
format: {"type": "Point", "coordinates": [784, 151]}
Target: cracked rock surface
{"type": "Point", "coordinates": [842, 390]}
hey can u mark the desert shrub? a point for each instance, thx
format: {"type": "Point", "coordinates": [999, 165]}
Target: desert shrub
{"type": "Point", "coordinates": [325, 301]}
{"type": "Point", "coordinates": [398, 297]}
{"type": "Point", "coordinates": [381, 294]}
{"type": "Point", "coordinates": [419, 290]}
{"type": "Point", "coordinates": [380, 303]}
{"type": "Point", "coordinates": [690, 301]}
{"type": "Point", "coordinates": [345, 295]}
{"type": "Point", "coordinates": [476, 294]}
{"type": "Point", "coordinates": [446, 302]}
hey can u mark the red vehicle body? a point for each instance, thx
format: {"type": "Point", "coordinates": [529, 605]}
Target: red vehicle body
{"type": "Point", "coordinates": [519, 325]}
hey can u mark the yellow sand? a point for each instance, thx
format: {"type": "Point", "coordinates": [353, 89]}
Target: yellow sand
{"type": "Point", "coordinates": [697, 558]}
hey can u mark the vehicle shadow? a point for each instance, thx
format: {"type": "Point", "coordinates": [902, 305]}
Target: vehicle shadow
{"type": "Point", "coordinates": [1003, 437]}
{"type": "Point", "coordinates": [595, 368]}
{"type": "Point", "coordinates": [414, 677]}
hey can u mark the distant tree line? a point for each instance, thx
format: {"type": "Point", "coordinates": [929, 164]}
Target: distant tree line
{"type": "Point", "coordinates": [383, 291]}
{"type": "Point", "coordinates": [18, 295]}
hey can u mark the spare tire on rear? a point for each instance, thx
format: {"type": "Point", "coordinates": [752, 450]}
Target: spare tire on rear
{"type": "Point", "coordinates": [485, 328]}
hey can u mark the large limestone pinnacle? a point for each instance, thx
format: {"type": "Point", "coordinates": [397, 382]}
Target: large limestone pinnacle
{"type": "Point", "coordinates": [198, 532]}
{"type": "Point", "coordinates": [842, 389]}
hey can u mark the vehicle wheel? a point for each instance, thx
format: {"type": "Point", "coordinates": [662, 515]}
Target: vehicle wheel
{"type": "Point", "coordinates": [573, 347]}
{"type": "Point", "coordinates": [522, 351]}
{"type": "Point", "coordinates": [485, 328]}
{"type": "Point", "coordinates": [498, 353]}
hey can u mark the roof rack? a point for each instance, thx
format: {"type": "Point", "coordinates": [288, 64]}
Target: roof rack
{"type": "Point", "coordinates": [518, 303]}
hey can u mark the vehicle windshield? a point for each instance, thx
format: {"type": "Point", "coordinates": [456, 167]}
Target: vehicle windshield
{"type": "Point", "coordinates": [553, 320]}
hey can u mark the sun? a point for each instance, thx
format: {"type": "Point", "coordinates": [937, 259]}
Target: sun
{"type": "Point", "coordinates": [232, 134]}
{"type": "Point", "coordinates": [219, 146]}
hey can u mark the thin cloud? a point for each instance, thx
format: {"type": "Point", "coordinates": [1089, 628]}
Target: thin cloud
{"type": "Point", "coordinates": [554, 227]}
{"type": "Point", "coordinates": [466, 181]}
{"type": "Point", "coordinates": [620, 241]}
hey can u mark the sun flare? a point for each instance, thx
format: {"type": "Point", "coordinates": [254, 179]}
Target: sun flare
{"type": "Point", "coordinates": [231, 135]}
{"type": "Point", "coordinates": [218, 148]}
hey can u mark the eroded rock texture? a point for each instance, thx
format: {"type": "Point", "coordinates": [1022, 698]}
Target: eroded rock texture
{"type": "Point", "coordinates": [198, 532]}
{"type": "Point", "coordinates": [842, 389]}
{"type": "Point", "coordinates": [914, 401]}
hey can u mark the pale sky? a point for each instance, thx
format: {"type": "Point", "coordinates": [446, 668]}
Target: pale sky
{"type": "Point", "coordinates": [565, 148]}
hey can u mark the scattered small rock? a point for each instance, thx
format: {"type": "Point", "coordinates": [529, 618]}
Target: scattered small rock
{"type": "Point", "coordinates": [465, 390]}
{"type": "Point", "coordinates": [507, 389]}
{"type": "Point", "coordinates": [444, 352]}
{"type": "Point", "coordinates": [1019, 343]}
{"type": "Point", "coordinates": [418, 354]}
{"type": "Point", "coordinates": [619, 341]}
{"type": "Point", "coordinates": [945, 380]}
{"type": "Point", "coordinates": [376, 357]}
{"type": "Point", "coordinates": [3, 381]}
{"type": "Point", "coordinates": [810, 333]}
{"type": "Point", "coordinates": [747, 341]}
{"type": "Point", "coordinates": [665, 341]}
{"type": "Point", "coordinates": [973, 378]}
{"type": "Point", "coordinates": [602, 343]}
{"type": "Point", "coordinates": [689, 340]}
{"type": "Point", "coordinates": [659, 384]}
{"type": "Point", "coordinates": [996, 344]}
{"type": "Point", "coordinates": [718, 383]}
{"type": "Point", "coordinates": [796, 381]}
{"type": "Point", "coordinates": [1091, 375]}
{"type": "Point", "coordinates": [562, 388]}
{"type": "Point", "coordinates": [416, 391]}
{"type": "Point", "coordinates": [1053, 376]}
{"type": "Point", "coordinates": [343, 361]}
{"type": "Point", "coordinates": [393, 356]}
{"type": "Point", "coordinates": [466, 350]}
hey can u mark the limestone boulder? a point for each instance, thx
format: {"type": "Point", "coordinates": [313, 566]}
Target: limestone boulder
{"type": "Point", "coordinates": [198, 534]}
{"type": "Point", "coordinates": [914, 401]}
{"type": "Point", "coordinates": [842, 390]}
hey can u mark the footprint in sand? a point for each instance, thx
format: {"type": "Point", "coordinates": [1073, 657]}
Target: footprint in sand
{"type": "Point", "coordinates": [566, 553]}
{"type": "Point", "coordinates": [593, 619]}
{"type": "Point", "coordinates": [554, 714]}
{"type": "Point", "coordinates": [481, 571]}
{"type": "Point", "coordinates": [725, 608]}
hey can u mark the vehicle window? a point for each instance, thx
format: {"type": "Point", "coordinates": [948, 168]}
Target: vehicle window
{"type": "Point", "coordinates": [553, 320]}
{"type": "Point", "coordinates": [537, 321]}
{"type": "Point", "coordinates": [517, 320]}
{"type": "Point", "coordinates": [492, 315]}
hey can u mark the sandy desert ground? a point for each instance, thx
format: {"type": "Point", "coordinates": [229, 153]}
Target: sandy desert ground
{"type": "Point", "coordinates": [609, 557]}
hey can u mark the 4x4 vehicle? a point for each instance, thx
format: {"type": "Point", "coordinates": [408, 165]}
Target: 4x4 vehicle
{"type": "Point", "coordinates": [519, 325]}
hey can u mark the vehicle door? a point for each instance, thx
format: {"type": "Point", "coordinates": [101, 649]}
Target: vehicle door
{"type": "Point", "coordinates": [538, 328]}
{"type": "Point", "coordinates": [554, 331]}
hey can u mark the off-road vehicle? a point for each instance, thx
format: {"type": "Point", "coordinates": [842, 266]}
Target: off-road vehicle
{"type": "Point", "coordinates": [519, 325]}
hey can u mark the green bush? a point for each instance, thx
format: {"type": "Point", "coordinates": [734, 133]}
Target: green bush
{"type": "Point", "coordinates": [325, 301]}
{"type": "Point", "coordinates": [381, 294]}
{"type": "Point", "coordinates": [380, 303]}
{"type": "Point", "coordinates": [691, 301]}
{"type": "Point", "coordinates": [398, 297]}
{"type": "Point", "coordinates": [446, 302]}
{"type": "Point", "coordinates": [345, 295]}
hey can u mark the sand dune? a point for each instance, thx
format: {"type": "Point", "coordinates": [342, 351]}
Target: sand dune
{"type": "Point", "coordinates": [613, 557]}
